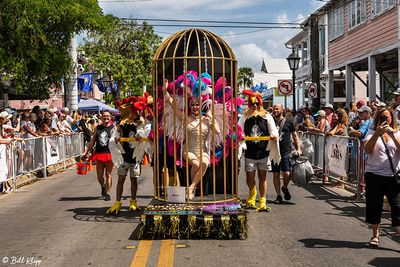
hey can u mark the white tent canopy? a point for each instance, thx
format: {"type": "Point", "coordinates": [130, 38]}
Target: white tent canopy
{"type": "Point", "coordinates": [94, 105]}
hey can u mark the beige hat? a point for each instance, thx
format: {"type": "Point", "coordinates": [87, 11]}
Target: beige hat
{"type": "Point", "coordinates": [6, 116]}
{"type": "Point", "coordinates": [327, 105]}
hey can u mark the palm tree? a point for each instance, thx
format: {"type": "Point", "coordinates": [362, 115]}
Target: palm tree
{"type": "Point", "coordinates": [245, 77]}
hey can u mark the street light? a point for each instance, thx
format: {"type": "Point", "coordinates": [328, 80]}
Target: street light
{"type": "Point", "coordinates": [293, 60]}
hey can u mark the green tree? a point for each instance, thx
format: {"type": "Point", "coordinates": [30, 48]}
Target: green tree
{"type": "Point", "coordinates": [245, 77]}
{"type": "Point", "coordinates": [35, 40]}
{"type": "Point", "coordinates": [123, 52]}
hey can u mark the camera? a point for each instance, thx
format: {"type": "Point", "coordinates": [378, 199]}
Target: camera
{"type": "Point", "coordinates": [383, 119]}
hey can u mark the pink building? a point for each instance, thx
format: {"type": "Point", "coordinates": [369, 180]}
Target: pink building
{"type": "Point", "coordinates": [363, 36]}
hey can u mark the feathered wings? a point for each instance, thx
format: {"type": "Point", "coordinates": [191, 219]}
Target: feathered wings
{"type": "Point", "coordinates": [196, 86]}
{"type": "Point", "coordinates": [179, 130]}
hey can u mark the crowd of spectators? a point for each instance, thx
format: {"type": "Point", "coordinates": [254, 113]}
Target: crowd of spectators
{"type": "Point", "coordinates": [352, 121]}
{"type": "Point", "coordinates": [23, 127]}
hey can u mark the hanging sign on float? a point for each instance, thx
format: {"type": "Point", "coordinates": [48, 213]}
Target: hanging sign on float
{"type": "Point", "coordinates": [285, 87]}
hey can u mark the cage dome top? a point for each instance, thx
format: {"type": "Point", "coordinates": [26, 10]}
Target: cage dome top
{"type": "Point", "coordinates": [194, 43]}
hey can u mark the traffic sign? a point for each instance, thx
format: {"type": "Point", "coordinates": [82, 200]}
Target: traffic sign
{"type": "Point", "coordinates": [312, 90]}
{"type": "Point", "coordinates": [285, 87]}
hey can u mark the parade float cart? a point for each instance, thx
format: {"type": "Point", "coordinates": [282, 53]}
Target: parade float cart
{"type": "Point", "coordinates": [194, 63]}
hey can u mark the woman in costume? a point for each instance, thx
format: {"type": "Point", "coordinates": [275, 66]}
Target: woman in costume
{"type": "Point", "coordinates": [199, 128]}
{"type": "Point", "coordinates": [101, 138]}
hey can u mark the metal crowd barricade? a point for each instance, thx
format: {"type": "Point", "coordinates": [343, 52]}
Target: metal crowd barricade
{"type": "Point", "coordinates": [339, 158]}
{"type": "Point", "coordinates": [6, 163]}
{"type": "Point", "coordinates": [317, 158]}
{"type": "Point", "coordinates": [36, 154]}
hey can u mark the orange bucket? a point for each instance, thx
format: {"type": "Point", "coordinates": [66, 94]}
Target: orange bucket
{"type": "Point", "coordinates": [82, 168]}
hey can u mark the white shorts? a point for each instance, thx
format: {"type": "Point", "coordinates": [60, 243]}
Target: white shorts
{"type": "Point", "coordinates": [133, 168]}
{"type": "Point", "coordinates": [256, 164]}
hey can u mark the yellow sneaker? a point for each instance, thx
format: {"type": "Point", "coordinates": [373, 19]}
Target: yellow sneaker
{"type": "Point", "coordinates": [251, 200]}
{"type": "Point", "coordinates": [133, 205]}
{"type": "Point", "coordinates": [262, 206]}
{"type": "Point", "coordinates": [114, 208]}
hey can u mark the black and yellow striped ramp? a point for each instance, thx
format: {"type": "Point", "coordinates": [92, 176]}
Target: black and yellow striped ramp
{"type": "Point", "coordinates": [182, 221]}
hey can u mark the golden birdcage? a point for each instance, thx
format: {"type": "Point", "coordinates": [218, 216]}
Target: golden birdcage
{"type": "Point", "coordinates": [187, 57]}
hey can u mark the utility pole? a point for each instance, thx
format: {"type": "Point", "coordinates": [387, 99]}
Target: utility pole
{"type": "Point", "coordinates": [73, 85]}
{"type": "Point", "coordinates": [315, 66]}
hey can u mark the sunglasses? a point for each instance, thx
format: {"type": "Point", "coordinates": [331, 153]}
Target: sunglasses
{"type": "Point", "coordinates": [256, 104]}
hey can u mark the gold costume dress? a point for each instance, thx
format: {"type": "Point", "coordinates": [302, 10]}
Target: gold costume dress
{"type": "Point", "coordinates": [194, 141]}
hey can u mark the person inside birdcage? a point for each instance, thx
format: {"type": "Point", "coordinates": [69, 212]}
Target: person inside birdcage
{"type": "Point", "coordinates": [200, 125]}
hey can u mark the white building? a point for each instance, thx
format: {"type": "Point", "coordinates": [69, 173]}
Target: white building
{"type": "Point", "coordinates": [272, 71]}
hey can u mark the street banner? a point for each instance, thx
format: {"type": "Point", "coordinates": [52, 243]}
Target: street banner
{"type": "Point", "coordinates": [100, 85]}
{"type": "Point", "coordinates": [85, 82]}
{"type": "Point", "coordinates": [3, 163]}
{"type": "Point", "coordinates": [336, 155]}
{"type": "Point", "coordinates": [53, 153]}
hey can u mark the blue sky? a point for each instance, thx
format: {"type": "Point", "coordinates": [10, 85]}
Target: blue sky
{"type": "Point", "coordinates": [249, 48]}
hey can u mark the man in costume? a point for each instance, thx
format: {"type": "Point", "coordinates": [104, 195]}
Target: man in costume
{"type": "Point", "coordinates": [131, 121]}
{"type": "Point", "coordinates": [257, 123]}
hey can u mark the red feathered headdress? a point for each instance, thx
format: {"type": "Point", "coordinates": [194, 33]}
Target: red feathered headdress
{"type": "Point", "coordinates": [252, 97]}
{"type": "Point", "coordinates": [125, 106]}
{"type": "Point", "coordinates": [147, 99]}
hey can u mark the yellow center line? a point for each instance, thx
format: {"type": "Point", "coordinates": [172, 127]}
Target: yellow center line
{"type": "Point", "coordinates": [142, 254]}
{"type": "Point", "coordinates": [166, 257]}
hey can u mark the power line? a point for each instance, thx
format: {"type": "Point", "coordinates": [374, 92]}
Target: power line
{"type": "Point", "coordinates": [216, 21]}
{"type": "Point", "coordinates": [224, 26]}
{"type": "Point", "coordinates": [255, 31]}
{"type": "Point", "coordinates": [241, 33]}
{"type": "Point", "coordinates": [371, 1]}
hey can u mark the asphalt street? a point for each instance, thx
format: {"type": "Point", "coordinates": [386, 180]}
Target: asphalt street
{"type": "Point", "coordinates": [61, 221]}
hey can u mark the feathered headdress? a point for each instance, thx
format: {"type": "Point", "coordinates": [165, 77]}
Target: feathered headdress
{"type": "Point", "coordinates": [253, 97]}
{"type": "Point", "coordinates": [129, 105]}
{"type": "Point", "coordinates": [125, 106]}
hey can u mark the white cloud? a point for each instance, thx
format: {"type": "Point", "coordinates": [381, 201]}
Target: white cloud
{"type": "Point", "coordinates": [250, 55]}
{"type": "Point", "coordinates": [282, 18]}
